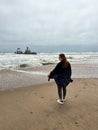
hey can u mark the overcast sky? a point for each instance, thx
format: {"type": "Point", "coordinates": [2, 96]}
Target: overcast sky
{"type": "Point", "coordinates": [43, 22]}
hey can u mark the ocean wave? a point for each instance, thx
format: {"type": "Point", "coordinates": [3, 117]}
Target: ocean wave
{"type": "Point", "coordinates": [14, 61]}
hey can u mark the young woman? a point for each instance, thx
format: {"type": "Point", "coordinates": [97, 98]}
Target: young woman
{"type": "Point", "coordinates": [62, 76]}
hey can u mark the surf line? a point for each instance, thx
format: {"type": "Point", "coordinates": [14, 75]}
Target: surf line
{"type": "Point", "coordinates": [31, 72]}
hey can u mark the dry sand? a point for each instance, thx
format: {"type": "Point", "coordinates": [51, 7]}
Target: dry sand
{"type": "Point", "coordinates": [35, 107]}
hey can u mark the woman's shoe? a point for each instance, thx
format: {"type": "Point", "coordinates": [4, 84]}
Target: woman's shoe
{"type": "Point", "coordinates": [60, 102]}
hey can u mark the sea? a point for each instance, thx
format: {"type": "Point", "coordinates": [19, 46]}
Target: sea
{"type": "Point", "coordinates": [20, 70]}
{"type": "Point", "coordinates": [11, 61]}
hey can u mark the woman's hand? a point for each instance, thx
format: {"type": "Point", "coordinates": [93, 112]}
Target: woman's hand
{"type": "Point", "coordinates": [48, 75]}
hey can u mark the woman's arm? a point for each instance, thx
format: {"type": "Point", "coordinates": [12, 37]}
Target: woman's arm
{"type": "Point", "coordinates": [55, 70]}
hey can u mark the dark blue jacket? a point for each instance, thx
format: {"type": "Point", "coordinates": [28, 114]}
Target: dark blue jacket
{"type": "Point", "coordinates": [62, 76]}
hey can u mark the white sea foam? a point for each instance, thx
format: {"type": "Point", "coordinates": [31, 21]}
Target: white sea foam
{"type": "Point", "coordinates": [13, 61]}
{"type": "Point", "coordinates": [33, 72]}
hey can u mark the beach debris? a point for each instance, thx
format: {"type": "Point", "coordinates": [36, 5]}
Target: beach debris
{"type": "Point", "coordinates": [45, 62]}
{"type": "Point", "coordinates": [23, 65]}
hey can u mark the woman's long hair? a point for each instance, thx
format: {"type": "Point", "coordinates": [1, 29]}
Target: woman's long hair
{"type": "Point", "coordinates": [65, 62]}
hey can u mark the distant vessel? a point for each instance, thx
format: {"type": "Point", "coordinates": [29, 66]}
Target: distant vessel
{"type": "Point", "coordinates": [19, 51]}
{"type": "Point", "coordinates": [27, 51]}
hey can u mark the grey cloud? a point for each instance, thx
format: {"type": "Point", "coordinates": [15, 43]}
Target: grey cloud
{"type": "Point", "coordinates": [49, 21]}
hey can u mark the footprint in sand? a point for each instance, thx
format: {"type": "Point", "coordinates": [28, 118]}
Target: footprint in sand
{"type": "Point", "coordinates": [76, 96]}
{"type": "Point", "coordinates": [42, 97]}
{"type": "Point", "coordinates": [97, 110]}
{"type": "Point", "coordinates": [84, 87]}
{"type": "Point", "coordinates": [31, 112]}
{"type": "Point", "coordinates": [77, 124]}
{"type": "Point", "coordinates": [47, 115]}
{"type": "Point", "coordinates": [35, 93]}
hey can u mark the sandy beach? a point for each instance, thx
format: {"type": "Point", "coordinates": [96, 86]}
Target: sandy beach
{"type": "Point", "coordinates": [35, 107]}
{"type": "Point", "coordinates": [43, 42]}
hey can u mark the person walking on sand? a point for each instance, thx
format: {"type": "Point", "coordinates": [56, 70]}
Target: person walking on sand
{"type": "Point", "coordinates": [62, 76]}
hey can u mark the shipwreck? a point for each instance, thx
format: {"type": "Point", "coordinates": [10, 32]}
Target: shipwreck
{"type": "Point", "coordinates": [27, 51]}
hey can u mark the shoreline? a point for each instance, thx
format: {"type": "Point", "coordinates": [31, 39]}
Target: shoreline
{"type": "Point", "coordinates": [10, 79]}
{"type": "Point", "coordinates": [52, 82]}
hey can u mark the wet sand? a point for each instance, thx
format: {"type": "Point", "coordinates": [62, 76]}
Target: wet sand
{"type": "Point", "coordinates": [37, 75]}
{"type": "Point", "coordinates": [35, 107]}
